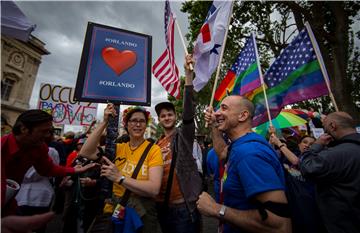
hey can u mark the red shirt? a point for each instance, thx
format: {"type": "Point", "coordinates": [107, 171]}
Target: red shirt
{"type": "Point", "coordinates": [71, 157]}
{"type": "Point", "coordinates": [15, 162]}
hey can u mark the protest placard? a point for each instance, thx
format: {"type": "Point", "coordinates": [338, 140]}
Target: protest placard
{"type": "Point", "coordinates": [115, 67]}
{"type": "Point", "coordinates": [317, 132]}
{"type": "Point", "coordinates": [59, 102]}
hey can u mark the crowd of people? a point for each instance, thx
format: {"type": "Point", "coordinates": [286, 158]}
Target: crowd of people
{"type": "Point", "coordinates": [261, 184]}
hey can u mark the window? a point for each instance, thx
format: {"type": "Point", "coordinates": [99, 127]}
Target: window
{"type": "Point", "coordinates": [6, 87]}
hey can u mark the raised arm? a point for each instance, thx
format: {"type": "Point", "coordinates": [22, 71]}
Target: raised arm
{"type": "Point", "coordinates": [188, 102]}
{"type": "Point", "coordinates": [89, 149]}
{"type": "Point", "coordinates": [293, 159]}
{"type": "Point", "coordinates": [219, 144]}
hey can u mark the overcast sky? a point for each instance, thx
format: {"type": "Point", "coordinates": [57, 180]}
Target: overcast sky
{"type": "Point", "coordinates": [62, 25]}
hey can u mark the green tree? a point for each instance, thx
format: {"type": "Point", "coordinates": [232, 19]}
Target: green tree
{"type": "Point", "coordinates": [335, 25]}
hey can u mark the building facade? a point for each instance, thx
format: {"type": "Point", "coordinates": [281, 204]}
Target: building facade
{"type": "Point", "coordinates": [19, 66]}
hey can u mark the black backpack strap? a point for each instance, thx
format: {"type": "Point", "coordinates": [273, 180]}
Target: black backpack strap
{"type": "Point", "coordinates": [171, 173]}
{"type": "Point", "coordinates": [127, 193]}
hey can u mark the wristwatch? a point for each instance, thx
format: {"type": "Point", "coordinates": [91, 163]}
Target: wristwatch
{"type": "Point", "coordinates": [122, 178]}
{"type": "Point", "coordinates": [222, 211]}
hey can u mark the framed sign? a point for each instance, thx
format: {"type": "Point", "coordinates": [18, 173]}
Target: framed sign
{"type": "Point", "coordinates": [115, 67]}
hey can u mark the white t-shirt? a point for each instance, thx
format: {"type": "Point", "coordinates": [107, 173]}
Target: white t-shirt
{"type": "Point", "coordinates": [197, 154]}
{"type": "Point", "coordinates": [36, 190]}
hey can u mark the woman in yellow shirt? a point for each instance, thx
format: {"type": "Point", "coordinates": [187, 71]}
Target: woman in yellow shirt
{"type": "Point", "coordinates": [147, 184]}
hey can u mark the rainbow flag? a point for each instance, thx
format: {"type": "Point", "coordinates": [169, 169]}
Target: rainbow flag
{"type": "Point", "coordinates": [243, 77]}
{"type": "Point", "coordinates": [294, 76]}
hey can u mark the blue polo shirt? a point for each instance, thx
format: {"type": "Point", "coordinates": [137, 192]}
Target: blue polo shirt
{"type": "Point", "coordinates": [253, 168]}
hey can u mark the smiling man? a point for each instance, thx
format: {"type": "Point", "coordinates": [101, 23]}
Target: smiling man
{"type": "Point", "coordinates": [181, 183]}
{"type": "Point", "coordinates": [253, 182]}
{"type": "Point", "coordinates": [26, 147]}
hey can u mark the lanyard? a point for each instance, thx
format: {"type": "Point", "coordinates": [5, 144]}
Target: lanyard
{"type": "Point", "coordinates": [223, 176]}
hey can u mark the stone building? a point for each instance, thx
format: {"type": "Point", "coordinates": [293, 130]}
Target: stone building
{"type": "Point", "coordinates": [19, 66]}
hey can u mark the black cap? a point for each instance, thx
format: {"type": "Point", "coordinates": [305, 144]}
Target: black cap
{"type": "Point", "coordinates": [162, 105]}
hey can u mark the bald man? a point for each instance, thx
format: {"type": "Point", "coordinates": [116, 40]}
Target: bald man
{"type": "Point", "coordinates": [253, 182]}
{"type": "Point", "coordinates": [333, 163]}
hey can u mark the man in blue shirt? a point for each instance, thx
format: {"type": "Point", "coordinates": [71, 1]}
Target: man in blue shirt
{"type": "Point", "coordinates": [253, 183]}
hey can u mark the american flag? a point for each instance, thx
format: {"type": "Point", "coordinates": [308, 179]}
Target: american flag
{"type": "Point", "coordinates": [165, 69]}
{"type": "Point", "coordinates": [299, 52]}
{"type": "Point", "coordinates": [245, 58]}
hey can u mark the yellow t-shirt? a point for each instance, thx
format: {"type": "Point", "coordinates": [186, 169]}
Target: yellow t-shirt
{"type": "Point", "coordinates": [126, 161]}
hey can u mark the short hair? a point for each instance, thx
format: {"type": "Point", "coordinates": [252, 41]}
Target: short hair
{"type": "Point", "coordinates": [31, 119]}
{"type": "Point", "coordinates": [248, 106]}
{"type": "Point", "coordinates": [343, 120]}
{"type": "Point", "coordinates": [127, 113]}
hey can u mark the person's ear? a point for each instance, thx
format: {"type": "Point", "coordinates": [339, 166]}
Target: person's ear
{"type": "Point", "coordinates": [24, 130]}
{"type": "Point", "coordinates": [333, 125]}
{"type": "Point", "coordinates": [244, 115]}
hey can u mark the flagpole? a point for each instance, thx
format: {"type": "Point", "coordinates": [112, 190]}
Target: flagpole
{"type": "Point", "coordinates": [221, 56]}
{"type": "Point", "coordinates": [182, 41]}
{"type": "Point", "coordinates": [321, 62]}
{"type": "Point", "coordinates": [261, 78]}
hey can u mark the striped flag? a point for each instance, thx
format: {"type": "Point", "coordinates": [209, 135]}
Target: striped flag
{"type": "Point", "coordinates": [165, 69]}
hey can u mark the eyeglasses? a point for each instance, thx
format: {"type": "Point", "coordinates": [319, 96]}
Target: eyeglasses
{"type": "Point", "coordinates": [136, 121]}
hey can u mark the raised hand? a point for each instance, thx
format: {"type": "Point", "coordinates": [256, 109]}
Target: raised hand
{"type": "Point", "coordinates": [209, 116]}
{"type": "Point", "coordinates": [109, 111]}
{"type": "Point", "coordinates": [189, 62]}
{"type": "Point", "coordinates": [324, 139]}
{"type": "Point", "coordinates": [275, 140]}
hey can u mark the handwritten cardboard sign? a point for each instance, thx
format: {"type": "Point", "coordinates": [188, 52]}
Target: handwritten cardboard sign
{"type": "Point", "coordinates": [59, 102]}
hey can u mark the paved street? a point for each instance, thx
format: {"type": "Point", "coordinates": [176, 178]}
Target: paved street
{"type": "Point", "coordinates": [209, 225]}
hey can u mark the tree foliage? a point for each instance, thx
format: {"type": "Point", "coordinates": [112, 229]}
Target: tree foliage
{"type": "Point", "coordinates": [336, 28]}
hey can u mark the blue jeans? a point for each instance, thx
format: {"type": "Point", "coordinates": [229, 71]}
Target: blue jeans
{"type": "Point", "coordinates": [177, 219]}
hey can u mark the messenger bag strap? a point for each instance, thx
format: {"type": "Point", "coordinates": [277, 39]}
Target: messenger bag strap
{"type": "Point", "coordinates": [171, 172]}
{"type": "Point", "coordinates": [127, 193]}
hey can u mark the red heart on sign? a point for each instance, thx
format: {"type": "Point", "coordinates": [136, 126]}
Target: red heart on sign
{"type": "Point", "coordinates": [118, 61]}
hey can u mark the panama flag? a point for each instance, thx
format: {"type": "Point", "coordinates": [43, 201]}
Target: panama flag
{"type": "Point", "coordinates": [208, 43]}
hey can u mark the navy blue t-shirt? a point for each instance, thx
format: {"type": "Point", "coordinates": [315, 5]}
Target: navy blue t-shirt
{"type": "Point", "coordinates": [253, 168]}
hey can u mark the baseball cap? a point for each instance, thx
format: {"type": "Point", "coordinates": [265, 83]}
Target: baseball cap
{"type": "Point", "coordinates": [162, 105]}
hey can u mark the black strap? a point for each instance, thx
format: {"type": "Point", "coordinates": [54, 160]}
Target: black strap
{"type": "Point", "coordinates": [277, 208]}
{"type": "Point", "coordinates": [171, 173]}
{"type": "Point", "coordinates": [127, 193]}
